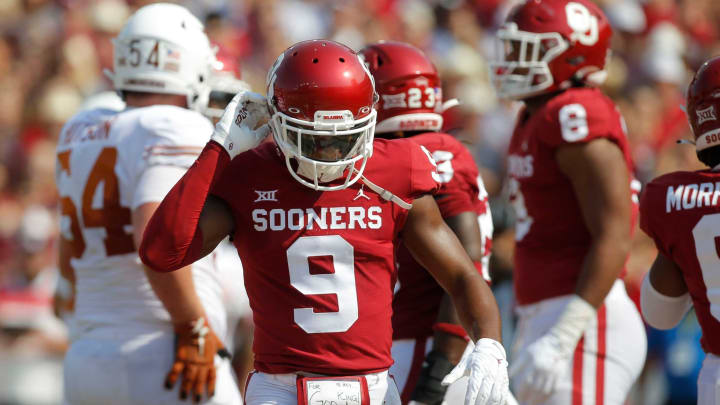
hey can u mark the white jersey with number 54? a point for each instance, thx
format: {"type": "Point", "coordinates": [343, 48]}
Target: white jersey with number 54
{"type": "Point", "coordinates": [109, 163]}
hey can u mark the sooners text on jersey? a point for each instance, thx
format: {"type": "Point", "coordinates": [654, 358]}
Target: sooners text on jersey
{"type": "Point", "coordinates": [319, 266]}
{"type": "Point", "coordinates": [681, 213]}
{"type": "Point", "coordinates": [552, 239]}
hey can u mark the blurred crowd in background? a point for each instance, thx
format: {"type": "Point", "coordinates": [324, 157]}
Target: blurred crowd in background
{"type": "Point", "coordinates": [52, 57]}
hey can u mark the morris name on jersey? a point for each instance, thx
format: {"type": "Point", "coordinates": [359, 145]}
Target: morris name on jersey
{"type": "Point", "coordinates": [689, 196]}
{"type": "Point", "coordinates": [279, 219]}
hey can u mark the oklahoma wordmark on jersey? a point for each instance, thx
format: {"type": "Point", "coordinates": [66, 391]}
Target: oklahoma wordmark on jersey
{"type": "Point", "coordinates": [279, 219]}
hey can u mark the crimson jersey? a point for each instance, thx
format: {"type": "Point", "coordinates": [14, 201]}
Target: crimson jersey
{"type": "Point", "coordinates": [681, 213]}
{"type": "Point", "coordinates": [319, 266]}
{"type": "Point", "coordinates": [551, 237]}
{"type": "Point", "coordinates": [417, 300]}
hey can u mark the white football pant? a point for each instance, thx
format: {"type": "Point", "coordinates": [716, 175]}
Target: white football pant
{"type": "Point", "coordinates": [606, 361]}
{"type": "Point", "coordinates": [132, 371]}
{"type": "Point", "coordinates": [281, 389]}
{"type": "Point", "coordinates": [408, 355]}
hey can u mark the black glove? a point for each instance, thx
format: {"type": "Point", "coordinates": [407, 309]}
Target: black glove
{"type": "Point", "coordinates": [429, 389]}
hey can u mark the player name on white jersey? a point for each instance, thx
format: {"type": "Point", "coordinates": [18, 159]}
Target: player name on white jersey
{"type": "Point", "coordinates": [279, 219]}
{"type": "Point", "coordinates": [689, 196]}
{"type": "Point", "coordinates": [84, 131]}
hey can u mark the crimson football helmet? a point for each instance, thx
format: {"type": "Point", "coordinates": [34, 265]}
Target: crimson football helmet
{"type": "Point", "coordinates": [322, 99]}
{"type": "Point", "coordinates": [409, 87]}
{"type": "Point", "coordinates": [546, 45]}
{"type": "Point", "coordinates": [703, 104]}
{"type": "Point", "coordinates": [224, 84]}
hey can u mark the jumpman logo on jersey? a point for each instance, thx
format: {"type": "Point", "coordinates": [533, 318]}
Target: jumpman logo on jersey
{"type": "Point", "coordinates": [361, 193]}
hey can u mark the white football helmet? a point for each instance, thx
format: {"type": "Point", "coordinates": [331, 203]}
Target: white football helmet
{"type": "Point", "coordinates": [163, 49]}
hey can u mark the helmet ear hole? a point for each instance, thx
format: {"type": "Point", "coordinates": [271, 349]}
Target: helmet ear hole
{"type": "Point", "coordinates": [315, 60]}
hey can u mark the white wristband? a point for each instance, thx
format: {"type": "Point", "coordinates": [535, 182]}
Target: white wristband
{"type": "Point", "coordinates": [661, 311]}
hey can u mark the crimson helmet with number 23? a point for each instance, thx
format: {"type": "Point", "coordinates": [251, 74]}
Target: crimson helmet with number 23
{"type": "Point", "coordinates": [703, 104]}
{"type": "Point", "coordinates": [322, 99]}
{"type": "Point", "coordinates": [550, 45]}
{"type": "Point", "coordinates": [409, 87]}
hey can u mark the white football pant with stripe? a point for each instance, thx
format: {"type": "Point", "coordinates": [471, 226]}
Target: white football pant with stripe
{"type": "Point", "coordinates": [606, 361]}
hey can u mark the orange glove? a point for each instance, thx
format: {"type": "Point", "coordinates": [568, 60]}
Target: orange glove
{"type": "Point", "coordinates": [195, 348]}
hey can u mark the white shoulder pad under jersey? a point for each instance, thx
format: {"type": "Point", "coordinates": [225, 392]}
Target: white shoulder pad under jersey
{"type": "Point", "coordinates": [156, 145]}
{"type": "Point", "coordinates": [169, 135]}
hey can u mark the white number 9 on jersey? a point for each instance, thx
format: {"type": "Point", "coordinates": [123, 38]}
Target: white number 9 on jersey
{"type": "Point", "coordinates": [341, 282]}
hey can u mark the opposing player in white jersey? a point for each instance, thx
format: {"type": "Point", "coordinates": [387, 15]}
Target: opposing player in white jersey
{"type": "Point", "coordinates": [113, 168]}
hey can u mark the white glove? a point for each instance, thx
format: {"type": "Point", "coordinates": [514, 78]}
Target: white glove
{"type": "Point", "coordinates": [538, 368]}
{"type": "Point", "coordinates": [243, 125]}
{"type": "Point", "coordinates": [486, 365]}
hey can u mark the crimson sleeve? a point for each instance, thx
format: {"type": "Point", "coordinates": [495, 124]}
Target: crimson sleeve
{"type": "Point", "coordinates": [648, 211]}
{"type": "Point", "coordinates": [461, 193]}
{"type": "Point", "coordinates": [424, 178]}
{"type": "Point", "coordinates": [172, 238]}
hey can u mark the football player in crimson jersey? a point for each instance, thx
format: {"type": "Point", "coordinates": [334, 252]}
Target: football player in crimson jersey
{"type": "Point", "coordinates": [114, 166]}
{"type": "Point", "coordinates": [317, 232]}
{"type": "Point", "coordinates": [580, 339]}
{"type": "Point", "coordinates": [681, 213]}
{"type": "Point", "coordinates": [410, 106]}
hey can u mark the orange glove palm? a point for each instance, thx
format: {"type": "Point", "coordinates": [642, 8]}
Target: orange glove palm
{"type": "Point", "coordinates": [195, 348]}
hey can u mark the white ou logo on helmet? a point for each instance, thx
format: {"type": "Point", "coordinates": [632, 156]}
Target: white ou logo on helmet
{"type": "Point", "coordinates": [584, 24]}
